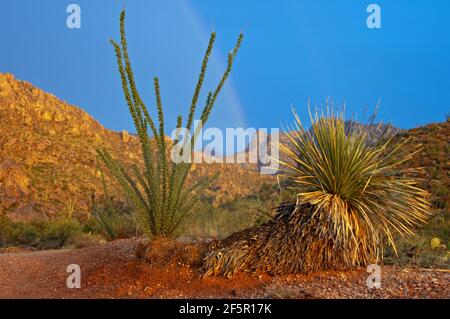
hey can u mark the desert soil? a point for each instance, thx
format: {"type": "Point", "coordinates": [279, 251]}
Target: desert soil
{"type": "Point", "coordinates": [112, 270]}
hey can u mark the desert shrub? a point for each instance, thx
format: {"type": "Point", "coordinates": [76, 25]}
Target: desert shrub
{"type": "Point", "coordinates": [39, 234]}
{"type": "Point", "coordinates": [351, 197]}
{"type": "Point", "coordinates": [417, 251]}
{"type": "Point", "coordinates": [210, 221]}
{"type": "Point", "coordinates": [54, 234]}
{"type": "Point", "coordinates": [430, 247]}
{"type": "Point", "coordinates": [24, 234]}
{"type": "Point", "coordinates": [5, 231]}
{"type": "Point", "coordinates": [159, 192]}
{"type": "Point", "coordinates": [358, 185]}
{"type": "Point", "coordinates": [111, 223]}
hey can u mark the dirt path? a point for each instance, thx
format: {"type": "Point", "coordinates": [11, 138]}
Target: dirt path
{"type": "Point", "coordinates": [112, 271]}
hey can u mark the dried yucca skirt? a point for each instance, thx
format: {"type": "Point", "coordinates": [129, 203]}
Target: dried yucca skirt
{"type": "Point", "coordinates": [299, 239]}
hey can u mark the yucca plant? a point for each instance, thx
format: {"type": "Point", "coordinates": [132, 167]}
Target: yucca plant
{"type": "Point", "coordinates": [160, 191]}
{"type": "Point", "coordinates": [362, 185]}
{"type": "Point", "coordinates": [353, 196]}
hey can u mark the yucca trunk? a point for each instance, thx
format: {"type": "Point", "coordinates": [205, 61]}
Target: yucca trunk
{"type": "Point", "coordinates": [291, 243]}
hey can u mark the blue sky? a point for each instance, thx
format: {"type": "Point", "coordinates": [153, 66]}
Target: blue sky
{"type": "Point", "coordinates": [293, 50]}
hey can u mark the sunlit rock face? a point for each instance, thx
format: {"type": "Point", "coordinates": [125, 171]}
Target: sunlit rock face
{"type": "Point", "coordinates": [48, 157]}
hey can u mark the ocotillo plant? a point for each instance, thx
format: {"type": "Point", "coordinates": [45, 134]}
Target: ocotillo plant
{"type": "Point", "coordinates": [160, 192]}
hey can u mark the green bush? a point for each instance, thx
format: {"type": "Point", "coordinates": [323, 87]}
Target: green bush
{"type": "Point", "coordinates": [218, 222]}
{"type": "Point", "coordinates": [111, 224]}
{"type": "Point", "coordinates": [25, 235]}
{"type": "Point", "coordinates": [233, 216]}
{"type": "Point", "coordinates": [38, 234]}
{"type": "Point", "coordinates": [55, 234]}
{"type": "Point", "coordinates": [418, 251]}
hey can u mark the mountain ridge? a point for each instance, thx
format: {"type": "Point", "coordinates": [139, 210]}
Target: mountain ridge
{"type": "Point", "coordinates": [48, 162]}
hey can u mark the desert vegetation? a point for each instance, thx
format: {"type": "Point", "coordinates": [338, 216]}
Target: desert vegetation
{"type": "Point", "coordinates": [352, 195]}
{"type": "Point", "coordinates": [349, 194]}
{"type": "Point", "coordinates": [41, 234]}
{"type": "Point", "coordinates": [159, 192]}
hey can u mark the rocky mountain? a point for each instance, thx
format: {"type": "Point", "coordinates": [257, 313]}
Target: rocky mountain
{"type": "Point", "coordinates": [434, 158]}
{"type": "Point", "coordinates": [48, 164]}
{"type": "Point", "coordinates": [47, 152]}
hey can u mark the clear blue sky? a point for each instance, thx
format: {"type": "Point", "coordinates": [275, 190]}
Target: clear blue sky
{"type": "Point", "coordinates": [292, 50]}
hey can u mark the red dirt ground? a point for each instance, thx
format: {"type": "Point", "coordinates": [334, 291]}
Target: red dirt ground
{"type": "Point", "coordinates": [112, 270]}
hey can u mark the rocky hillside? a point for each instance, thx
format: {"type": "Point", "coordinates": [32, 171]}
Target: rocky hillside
{"type": "Point", "coordinates": [47, 153]}
{"type": "Point", "coordinates": [48, 161]}
{"type": "Point", "coordinates": [434, 157]}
